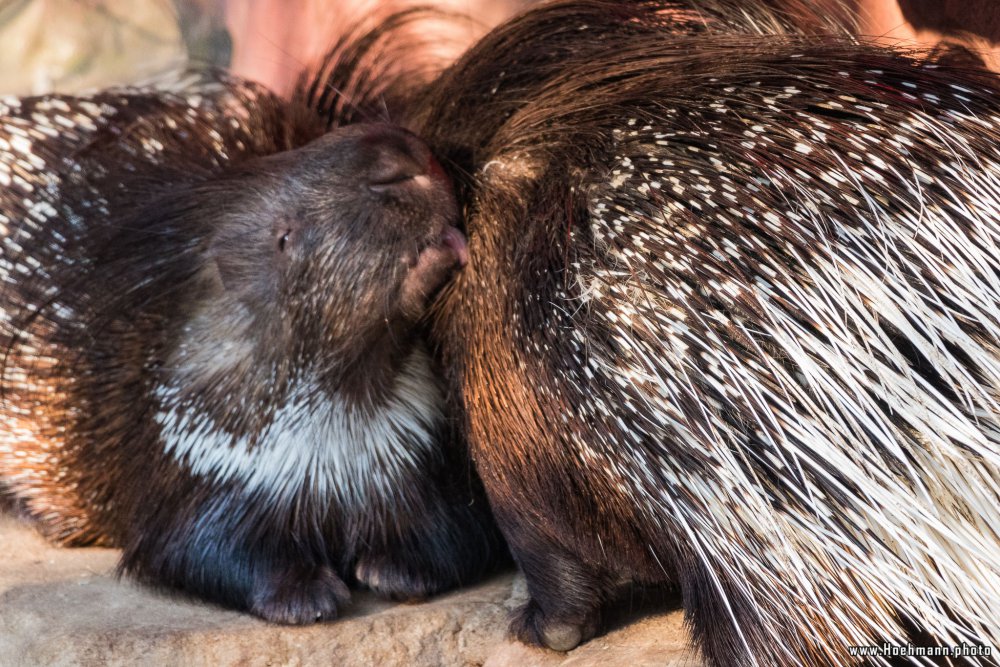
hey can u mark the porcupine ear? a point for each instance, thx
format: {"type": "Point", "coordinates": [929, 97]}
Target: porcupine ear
{"type": "Point", "coordinates": [380, 63]}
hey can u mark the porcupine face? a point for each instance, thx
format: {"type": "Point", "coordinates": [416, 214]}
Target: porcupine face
{"type": "Point", "coordinates": [337, 245]}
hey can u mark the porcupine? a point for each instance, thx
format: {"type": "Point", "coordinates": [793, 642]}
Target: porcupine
{"type": "Point", "coordinates": [211, 351]}
{"type": "Point", "coordinates": [730, 323]}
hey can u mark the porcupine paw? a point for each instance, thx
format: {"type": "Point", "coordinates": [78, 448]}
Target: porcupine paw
{"type": "Point", "coordinates": [300, 596]}
{"type": "Point", "coordinates": [395, 580]}
{"type": "Point", "coordinates": [531, 626]}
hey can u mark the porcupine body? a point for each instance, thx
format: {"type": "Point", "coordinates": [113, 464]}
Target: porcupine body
{"type": "Point", "coordinates": [730, 322]}
{"type": "Point", "coordinates": [211, 352]}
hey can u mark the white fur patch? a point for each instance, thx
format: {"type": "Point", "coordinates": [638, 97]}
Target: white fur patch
{"type": "Point", "coordinates": [318, 441]}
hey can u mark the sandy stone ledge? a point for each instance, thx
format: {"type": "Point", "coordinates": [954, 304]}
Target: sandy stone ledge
{"type": "Point", "coordinates": [63, 607]}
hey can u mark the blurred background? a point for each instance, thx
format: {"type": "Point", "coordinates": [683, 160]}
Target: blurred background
{"type": "Point", "coordinates": [73, 45]}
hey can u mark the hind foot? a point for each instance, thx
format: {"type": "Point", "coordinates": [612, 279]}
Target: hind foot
{"type": "Point", "coordinates": [532, 626]}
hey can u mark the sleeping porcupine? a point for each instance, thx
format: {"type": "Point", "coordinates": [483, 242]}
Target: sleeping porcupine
{"type": "Point", "coordinates": [210, 351]}
{"type": "Point", "coordinates": [731, 322]}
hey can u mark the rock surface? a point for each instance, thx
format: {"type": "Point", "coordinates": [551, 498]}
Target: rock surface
{"type": "Point", "coordinates": [64, 607]}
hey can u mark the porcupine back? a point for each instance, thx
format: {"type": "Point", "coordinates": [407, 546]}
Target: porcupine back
{"type": "Point", "coordinates": [747, 327]}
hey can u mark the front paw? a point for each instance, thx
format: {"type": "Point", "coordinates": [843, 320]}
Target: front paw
{"type": "Point", "coordinates": [397, 581]}
{"type": "Point", "coordinates": [300, 595]}
{"type": "Point", "coordinates": [531, 626]}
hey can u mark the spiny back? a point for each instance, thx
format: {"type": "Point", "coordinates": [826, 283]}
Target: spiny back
{"type": "Point", "coordinates": [748, 323]}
